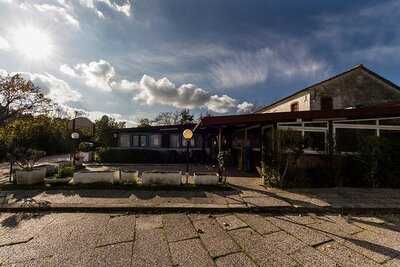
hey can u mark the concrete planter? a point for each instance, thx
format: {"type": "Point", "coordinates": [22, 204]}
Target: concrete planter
{"type": "Point", "coordinates": [50, 169]}
{"type": "Point", "coordinates": [57, 180]}
{"type": "Point", "coordinates": [206, 178]}
{"type": "Point", "coordinates": [128, 177]}
{"type": "Point", "coordinates": [89, 177]}
{"type": "Point", "coordinates": [86, 156]}
{"type": "Point", "coordinates": [35, 176]}
{"type": "Point", "coordinates": [161, 178]}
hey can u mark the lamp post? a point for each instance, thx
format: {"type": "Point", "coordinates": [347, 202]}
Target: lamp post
{"type": "Point", "coordinates": [188, 135]}
{"type": "Point", "coordinates": [75, 137]}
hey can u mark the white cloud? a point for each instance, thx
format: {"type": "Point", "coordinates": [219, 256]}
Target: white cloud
{"type": "Point", "coordinates": [96, 74]}
{"type": "Point", "coordinates": [149, 91]}
{"type": "Point", "coordinates": [124, 8]}
{"type": "Point", "coordinates": [4, 44]}
{"type": "Point", "coordinates": [245, 107]}
{"type": "Point", "coordinates": [52, 87]}
{"type": "Point", "coordinates": [58, 13]}
{"type": "Point", "coordinates": [249, 68]}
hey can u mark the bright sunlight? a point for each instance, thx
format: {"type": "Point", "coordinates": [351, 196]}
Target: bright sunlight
{"type": "Point", "coordinates": [33, 43]}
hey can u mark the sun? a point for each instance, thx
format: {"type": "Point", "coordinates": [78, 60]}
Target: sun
{"type": "Point", "coordinates": [33, 43]}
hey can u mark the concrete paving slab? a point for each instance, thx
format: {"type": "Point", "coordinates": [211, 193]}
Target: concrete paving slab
{"type": "Point", "coordinates": [345, 256]}
{"type": "Point", "coordinates": [231, 222]}
{"type": "Point", "coordinates": [304, 219]}
{"type": "Point", "coordinates": [190, 253]}
{"type": "Point", "coordinates": [310, 257]}
{"type": "Point", "coordinates": [235, 260]}
{"type": "Point", "coordinates": [214, 238]}
{"type": "Point", "coordinates": [306, 234]}
{"type": "Point", "coordinates": [284, 242]}
{"type": "Point", "coordinates": [178, 227]}
{"type": "Point", "coordinates": [258, 223]}
{"type": "Point", "coordinates": [118, 229]}
{"type": "Point", "coordinates": [150, 248]}
{"type": "Point", "coordinates": [112, 255]}
{"type": "Point", "coordinates": [259, 250]}
{"type": "Point", "coordinates": [148, 222]}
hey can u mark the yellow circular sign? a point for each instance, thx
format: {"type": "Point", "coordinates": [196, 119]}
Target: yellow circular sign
{"type": "Point", "coordinates": [187, 134]}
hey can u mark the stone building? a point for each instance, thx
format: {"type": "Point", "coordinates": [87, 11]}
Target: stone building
{"type": "Point", "coordinates": [354, 88]}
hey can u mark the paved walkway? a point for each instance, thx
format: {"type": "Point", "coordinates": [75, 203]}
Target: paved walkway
{"type": "Point", "coordinates": [188, 239]}
{"type": "Point", "coordinates": [237, 198]}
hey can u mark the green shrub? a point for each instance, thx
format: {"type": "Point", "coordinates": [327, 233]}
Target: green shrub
{"type": "Point", "coordinates": [85, 147]}
{"type": "Point", "coordinates": [65, 171]}
{"type": "Point", "coordinates": [110, 155]}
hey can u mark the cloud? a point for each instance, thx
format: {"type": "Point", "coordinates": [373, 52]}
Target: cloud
{"type": "Point", "coordinates": [56, 89]}
{"type": "Point", "coordinates": [96, 74]}
{"type": "Point", "coordinates": [68, 111]}
{"type": "Point", "coordinates": [58, 13]}
{"type": "Point", "coordinates": [242, 69]}
{"type": "Point", "coordinates": [4, 44]}
{"type": "Point", "coordinates": [149, 91]}
{"type": "Point", "coordinates": [245, 107]}
{"type": "Point", "coordinates": [124, 7]}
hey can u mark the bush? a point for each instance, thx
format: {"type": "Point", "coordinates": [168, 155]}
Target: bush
{"type": "Point", "coordinates": [65, 171]}
{"type": "Point", "coordinates": [85, 147]}
{"type": "Point", "coordinates": [109, 155]}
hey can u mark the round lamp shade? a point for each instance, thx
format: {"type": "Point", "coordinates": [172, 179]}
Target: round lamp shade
{"type": "Point", "coordinates": [187, 134]}
{"type": "Point", "coordinates": [75, 135]}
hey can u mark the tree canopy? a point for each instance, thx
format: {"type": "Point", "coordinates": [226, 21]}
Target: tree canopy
{"type": "Point", "coordinates": [104, 127]}
{"type": "Point", "coordinates": [20, 97]}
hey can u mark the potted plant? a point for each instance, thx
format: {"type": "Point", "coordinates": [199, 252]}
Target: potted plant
{"type": "Point", "coordinates": [26, 159]}
{"type": "Point", "coordinates": [64, 175]}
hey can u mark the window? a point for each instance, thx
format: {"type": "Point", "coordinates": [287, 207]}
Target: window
{"type": "Point", "coordinates": [326, 103]}
{"type": "Point", "coordinates": [294, 107]}
{"type": "Point", "coordinates": [349, 140]}
{"type": "Point", "coordinates": [155, 140]}
{"type": "Point", "coordinates": [143, 140]}
{"type": "Point", "coordinates": [124, 140]}
{"type": "Point", "coordinates": [135, 140]}
{"type": "Point", "coordinates": [174, 140]}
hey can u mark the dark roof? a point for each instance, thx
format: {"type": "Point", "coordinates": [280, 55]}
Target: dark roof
{"type": "Point", "coordinates": [156, 128]}
{"type": "Point", "coordinates": [360, 66]}
{"type": "Point", "coordinates": [390, 109]}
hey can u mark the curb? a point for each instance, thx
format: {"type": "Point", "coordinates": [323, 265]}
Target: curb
{"type": "Point", "coordinates": [194, 208]}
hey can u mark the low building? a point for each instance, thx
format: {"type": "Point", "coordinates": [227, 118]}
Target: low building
{"type": "Point", "coordinates": [334, 113]}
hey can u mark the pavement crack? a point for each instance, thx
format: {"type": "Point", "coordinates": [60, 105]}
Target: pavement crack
{"type": "Point", "coordinates": [16, 243]}
{"type": "Point", "coordinates": [115, 243]}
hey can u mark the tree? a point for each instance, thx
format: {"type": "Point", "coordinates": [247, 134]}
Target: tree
{"type": "Point", "coordinates": [186, 117]}
{"type": "Point", "coordinates": [104, 126]}
{"type": "Point", "coordinates": [144, 122]}
{"type": "Point", "coordinates": [19, 97]}
{"type": "Point", "coordinates": [167, 118]}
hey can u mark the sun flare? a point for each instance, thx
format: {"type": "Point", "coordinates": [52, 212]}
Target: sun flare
{"type": "Point", "coordinates": [33, 43]}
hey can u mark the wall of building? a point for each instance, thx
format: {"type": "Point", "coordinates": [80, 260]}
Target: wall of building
{"type": "Point", "coordinates": [303, 100]}
{"type": "Point", "coordinates": [357, 88]}
{"type": "Point", "coordinates": [354, 89]}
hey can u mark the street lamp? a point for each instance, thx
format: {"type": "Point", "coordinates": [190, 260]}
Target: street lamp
{"type": "Point", "coordinates": [75, 137]}
{"type": "Point", "coordinates": [188, 135]}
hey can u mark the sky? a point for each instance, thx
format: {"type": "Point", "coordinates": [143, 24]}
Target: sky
{"type": "Point", "coordinates": [134, 59]}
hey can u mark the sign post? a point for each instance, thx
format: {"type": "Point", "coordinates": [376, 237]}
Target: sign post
{"type": "Point", "coordinates": [188, 135]}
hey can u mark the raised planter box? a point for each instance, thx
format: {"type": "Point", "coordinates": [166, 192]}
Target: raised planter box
{"type": "Point", "coordinates": [89, 177]}
{"type": "Point", "coordinates": [57, 180]}
{"type": "Point", "coordinates": [161, 178]}
{"type": "Point", "coordinates": [206, 178]}
{"type": "Point", "coordinates": [50, 169]}
{"type": "Point", "coordinates": [35, 176]}
{"type": "Point", "coordinates": [129, 176]}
